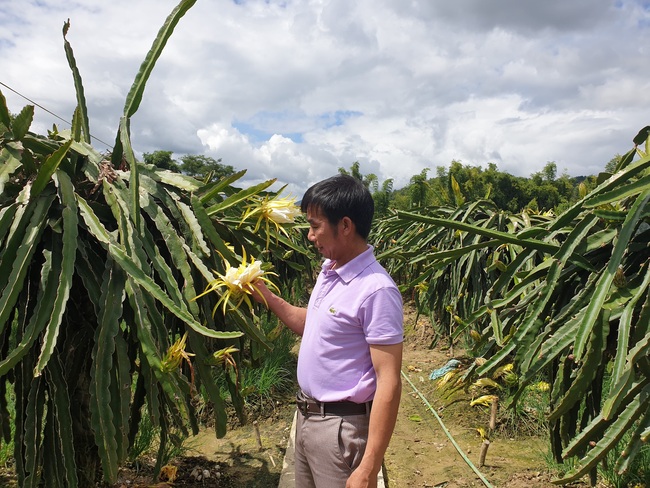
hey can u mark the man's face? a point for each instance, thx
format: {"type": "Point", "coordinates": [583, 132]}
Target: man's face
{"type": "Point", "coordinates": [323, 234]}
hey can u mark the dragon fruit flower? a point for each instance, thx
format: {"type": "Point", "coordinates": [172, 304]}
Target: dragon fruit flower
{"type": "Point", "coordinates": [277, 211]}
{"type": "Point", "coordinates": [281, 210]}
{"type": "Point", "coordinates": [239, 283]}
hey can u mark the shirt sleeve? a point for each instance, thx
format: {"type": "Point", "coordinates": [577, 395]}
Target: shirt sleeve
{"type": "Point", "coordinates": [382, 317]}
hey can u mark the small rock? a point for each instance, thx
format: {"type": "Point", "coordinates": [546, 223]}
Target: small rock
{"type": "Point", "coordinates": [197, 473]}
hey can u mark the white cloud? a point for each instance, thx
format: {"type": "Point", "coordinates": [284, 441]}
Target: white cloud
{"type": "Point", "coordinates": [295, 89]}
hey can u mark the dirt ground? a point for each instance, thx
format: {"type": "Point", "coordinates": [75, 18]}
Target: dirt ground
{"type": "Point", "coordinates": [420, 453]}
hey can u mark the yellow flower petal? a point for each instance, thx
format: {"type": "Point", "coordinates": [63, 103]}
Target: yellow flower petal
{"type": "Point", "coordinates": [485, 400]}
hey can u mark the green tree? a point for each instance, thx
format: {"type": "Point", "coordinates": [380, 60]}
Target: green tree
{"type": "Point", "coordinates": [546, 175]}
{"type": "Point", "coordinates": [197, 165]}
{"type": "Point", "coordinates": [419, 189]}
{"type": "Point", "coordinates": [546, 195]}
{"type": "Point", "coordinates": [469, 179]}
{"type": "Point", "coordinates": [440, 187]}
{"type": "Point", "coordinates": [370, 180]}
{"type": "Point", "coordinates": [205, 167]}
{"type": "Point", "coordinates": [382, 198]}
{"type": "Point", "coordinates": [613, 163]}
{"type": "Point", "coordinates": [507, 191]}
{"type": "Point", "coordinates": [162, 160]}
{"type": "Point", "coordinates": [550, 171]}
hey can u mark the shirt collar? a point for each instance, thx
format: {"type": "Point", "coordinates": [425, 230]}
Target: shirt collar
{"type": "Point", "coordinates": [351, 269]}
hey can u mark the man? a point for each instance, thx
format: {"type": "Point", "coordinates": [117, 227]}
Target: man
{"type": "Point", "coordinates": [351, 350]}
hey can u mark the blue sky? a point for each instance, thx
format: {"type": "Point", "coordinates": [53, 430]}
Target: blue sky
{"type": "Point", "coordinates": [296, 89]}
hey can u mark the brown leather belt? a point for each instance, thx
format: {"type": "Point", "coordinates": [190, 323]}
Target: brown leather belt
{"type": "Point", "coordinates": [310, 406]}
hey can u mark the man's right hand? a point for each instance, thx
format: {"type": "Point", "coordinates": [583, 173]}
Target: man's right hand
{"type": "Point", "coordinates": [292, 316]}
{"type": "Point", "coordinates": [260, 292]}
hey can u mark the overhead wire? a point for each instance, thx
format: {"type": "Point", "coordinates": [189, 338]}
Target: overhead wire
{"type": "Point", "coordinates": [36, 104]}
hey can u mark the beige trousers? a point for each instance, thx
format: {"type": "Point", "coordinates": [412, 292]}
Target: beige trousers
{"type": "Point", "coordinates": [328, 449]}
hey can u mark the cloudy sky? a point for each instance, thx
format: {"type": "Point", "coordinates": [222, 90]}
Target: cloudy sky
{"type": "Point", "coordinates": [295, 89]}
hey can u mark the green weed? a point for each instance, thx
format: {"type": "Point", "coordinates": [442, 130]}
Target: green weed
{"type": "Point", "coordinates": [144, 439]}
{"type": "Point", "coordinates": [275, 372]}
{"type": "Point", "coordinates": [7, 448]}
{"type": "Point", "coordinates": [531, 411]}
{"type": "Point", "coordinates": [147, 442]}
{"type": "Point", "coordinates": [267, 376]}
{"type": "Point", "coordinates": [638, 474]}
{"type": "Point", "coordinates": [560, 469]}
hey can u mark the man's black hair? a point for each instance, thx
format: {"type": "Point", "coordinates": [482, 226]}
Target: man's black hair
{"type": "Point", "coordinates": [342, 196]}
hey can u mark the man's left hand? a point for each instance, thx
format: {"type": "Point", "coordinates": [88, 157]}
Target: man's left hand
{"type": "Point", "coordinates": [359, 479]}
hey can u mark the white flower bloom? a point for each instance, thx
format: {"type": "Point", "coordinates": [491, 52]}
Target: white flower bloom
{"type": "Point", "coordinates": [239, 283]}
{"type": "Point", "coordinates": [282, 210]}
{"type": "Point", "coordinates": [243, 275]}
{"type": "Point", "coordinates": [250, 273]}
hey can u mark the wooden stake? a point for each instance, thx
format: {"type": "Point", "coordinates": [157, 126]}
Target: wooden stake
{"type": "Point", "coordinates": [257, 434]}
{"type": "Point", "coordinates": [493, 413]}
{"type": "Point", "coordinates": [484, 450]}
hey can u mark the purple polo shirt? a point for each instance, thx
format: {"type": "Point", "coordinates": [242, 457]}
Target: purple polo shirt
{"type": "Point", "coordinates": [350, 308]}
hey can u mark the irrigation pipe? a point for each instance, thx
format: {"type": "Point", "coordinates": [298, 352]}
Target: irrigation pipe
{"type": "Point", "coordinates": [451, 438]}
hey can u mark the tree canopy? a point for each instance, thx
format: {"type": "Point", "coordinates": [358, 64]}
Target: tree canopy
{"type": "Point", "coordinates": [453, 185]}
{"type": "Point", "coordinates": [200, 166]}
